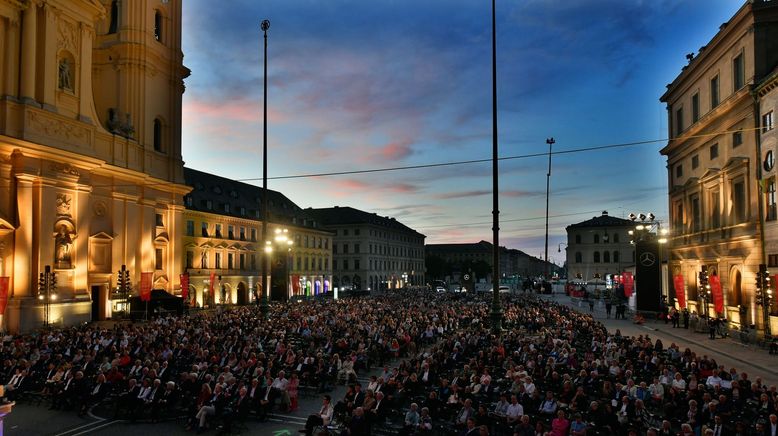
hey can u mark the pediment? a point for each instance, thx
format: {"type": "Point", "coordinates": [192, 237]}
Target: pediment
{"type": "Point", "coordinates": [161, 282]}
{"type": "Point", "coordinates": [206, 245]}
{"type": "Point", "coordinates": [102, 236]}
{"type": "Point", "coordinates": [162, 238]}
{"type": "Point", "coordinates": [711, 173]}
{"type": "Point", "coordinates": [736, 162]}
{"type": "Point", "coordinates": [692, 181]}
{"type": "Point", "coordinates": [191, 244]}
{"type": "Point", "coordinates": [221, 245]}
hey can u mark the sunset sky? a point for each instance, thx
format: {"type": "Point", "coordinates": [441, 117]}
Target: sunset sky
{"type": "Point", "coordinates": [355, 85]}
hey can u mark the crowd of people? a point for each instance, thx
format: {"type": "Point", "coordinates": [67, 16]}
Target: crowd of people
{"type": "Point", "coordinates": [434, 367]}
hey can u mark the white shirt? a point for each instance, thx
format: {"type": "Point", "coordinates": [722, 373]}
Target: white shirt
{"type": "Point", "coordinates": [514, 410]}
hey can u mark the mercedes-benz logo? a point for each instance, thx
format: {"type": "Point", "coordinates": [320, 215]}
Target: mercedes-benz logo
{"type": "Point", "coordinates": [467, 277]}
{"type": "Point", "coordinates": [647, 259]}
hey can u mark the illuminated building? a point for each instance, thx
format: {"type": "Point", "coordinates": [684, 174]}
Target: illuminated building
{"type": "Point", "coordinates": [91, 175]}
{"type": "Point", "coordinates": [720, 214]}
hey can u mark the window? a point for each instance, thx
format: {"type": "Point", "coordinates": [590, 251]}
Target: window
{"type": "Point", "coordinates": [738, 72]}
{"type": "Point", "coordinates": [204, 227]}
{"type": "Point", "coordinates": [737, 138]}
{"type": "Point", "coordinates": [616, 256]}
{"type": "Point", "coordinates": [772, 260]}
{"type": "Point", "coordinates": [230, 261]}
{"type": "Point", "coordinates": [305, 240]}
{"type": "Point", "coordinates": [327, 244]}
{"type": "Point", "coordinates": [157, 26]}
{"type": "Point", "coordinates": [596, 257]}
{"type": "Point", "coordinates": [679, 122]}
{"type": "Point", "coordinates": [695, 161]}
{"type": "Point", "coordinates": [190, 228]}
{"type": "Point", "coordinates": [231, 232]}
{"type": "Point", "coordinates": [678, 216]}
{"type": "Point", "coordinates": [714, 151]}
{"type": "Point", "coordinates": [334, 264]}
{"type": "Point", "coordinates": [596, 238]}
{"type": "Point", "coordinates": [606, 257]}
{"type": "Point", "coordinates": [356, 248]}
{"type": "Point", "coordinates": [158, 258]}
{"type": "Point", "coordinates": [242, 233]}
{"type": "Point", "coordinates": [739, 200]}
{"type": "Point", "coordinates": [189, 259]}
{"type": "Point", "coordinates": [158, 135]}
{"type": "Point", "coordinates": [242, 211]}
{"type": "Point", "coordinates": [218, 260]}
{"type": "Point", "coordinates": [208, 204]}
{"type": "Point", "coordinates": [114, 16]}
{"type": "Point", "coordinates": [218, 230]}
{"type": "Point", "coordinates": [615, 237]}
{"type": "Point", "coordinates": [345, 264]}
{"type": "Point", "coordinates": [188, 201]}
{"type": "Point", "coordinates": [696, 219]}
{"type": "Point", "coordinates": [767, 122]}
{"type": "Point", "coordinates": [159, 221]}
{"type": "Point", "coordinates": [770, 199]}
{"type": "Point", "coordinates": [695, 107]}
{"type": "Point", "coordinates": [714, 92]}
{"type": "Point", "coordinates": [345, 232]}
{"type": "Point", "coordinates": [715, 210]}
{"type": "Point", "coordinates": [345, 248]}
{"type": "Point", "coordinates": [254, 235]}
{"type": "Point", "coordinates": [356, 264]}
{"type": "Point", "coordinates": [253, 261]}
{"type": "Point", "coordinates": [334, 248]}
{"type": "Point", "coordinates": [356, 232]}
{"type": "Point", "coordinates": [227, 207]}
{"type": "Point", "coordinates": [327, 263]}
{"type": "Point", "coordinates": [678, 171]}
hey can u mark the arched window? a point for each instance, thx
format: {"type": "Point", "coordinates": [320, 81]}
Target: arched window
{"type": "Point", "coordinates": [157, 26]}
{"type": "Point", "coordinates": [616, 256]}
{"type": "Point", "coordinates": [596, 257]}
{"type": "Point", "coordinates": [158, 135]}
{"type": "Point", "coordinates": [596, 238]}
{"type": "Point", "coordinates": [578, 257]}
{"type": "Point", "coordinates": [606, 257]}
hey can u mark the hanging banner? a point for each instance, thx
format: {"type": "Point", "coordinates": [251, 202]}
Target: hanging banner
{"type": "Point", "coordinates": [211, 280]}
{"type": "Point", "coordinates": [145, 285]}
{"type": "Point", "coordinates": [4, 283]}
{"type": "Point", "coordinates": [295, 284]}
{"type": "Point", "coordinates": [716, 293]}
{"type": "Point", "coordinates": [680, 294]}
{"type": "Point", "coordinates": [629, 283]}
{"type": "Point", "coordinates": [184, 279]}
{"type": "Point", "coordinates": [648, 276]}
{"type": "Point", "coordinates": [326, 286]}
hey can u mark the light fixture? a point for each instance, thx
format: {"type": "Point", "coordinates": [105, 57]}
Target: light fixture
{"type": "Point", "coordinates": [662, 240]}
{"type": "Point", "coordinates": [664, 231]}
{"type": "Point", "coordinates": [651, 216]}
{"type": "Point", "coordinates": [639, 227]}
{"type": "Point", "coordinates": [642, 217]}
{"type": "Point", "coordinates": [632, 216]}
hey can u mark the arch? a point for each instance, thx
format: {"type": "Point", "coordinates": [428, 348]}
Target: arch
{"type": "Point", "coordinates": [226, 294]}
{"type": "Point", "coordinates": [157, 139]}
{"type": "Point", "coordinates": [243, 294]}
{"type": "Point", "coordinates": [735, 289]}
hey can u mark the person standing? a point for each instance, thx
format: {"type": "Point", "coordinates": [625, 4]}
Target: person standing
{"type": "Point", "coordinates": [608, 307]}
{"type": "Point", "coordinates": [686, 319]}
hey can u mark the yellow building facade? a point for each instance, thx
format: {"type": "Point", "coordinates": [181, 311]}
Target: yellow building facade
{"type": "Point", "coordinates": [91, 174]}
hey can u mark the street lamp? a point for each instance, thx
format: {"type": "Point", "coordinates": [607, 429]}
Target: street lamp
{"type": "Point", "coordinates": [550, 142]}
{"type": "Point", "coordinates": [265, 285]}
{"type": "Point", "coordinates": [47, 288]}
{"type": "Point", "coordinates": [283, 243]}
{"type": "Point", "coordinates": [496, 313]}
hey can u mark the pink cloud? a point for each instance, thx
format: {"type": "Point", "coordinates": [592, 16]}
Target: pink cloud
{"type": "Point", "coordinates": [396, 150]}
{"type": "Point", "coordinates": [194, 111]}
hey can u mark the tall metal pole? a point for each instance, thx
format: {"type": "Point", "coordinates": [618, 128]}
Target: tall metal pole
{"type": "Point", "coordinates": [265, 255]}
{"type": "Point", "coordinates": [496, 314]}
{"type": "Point", "coordinates": [550, 142]}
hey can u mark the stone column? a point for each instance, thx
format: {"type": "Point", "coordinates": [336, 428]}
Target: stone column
{"type": "Point", "coordinates": [29, 52]}
{"type": "Point", "coordinates": [23, 247]}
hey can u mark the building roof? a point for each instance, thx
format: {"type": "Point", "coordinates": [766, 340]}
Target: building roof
{"type": "Point", "coordinates": [333, 216]}
{"type": "Point", "coordinates": [464, 247]}
{"type": "Point", "coordinates": [603, 220]}
{"type": "Point", "coordinates": [221, 191]}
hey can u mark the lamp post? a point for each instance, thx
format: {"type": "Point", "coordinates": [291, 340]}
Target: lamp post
{"type": "Point", "coordinates": [550, 142]}
{"type": "Point", "coordinates": [644, 234]}
{"type": "Point", "coordinates": [496, 313]}
{"type": "Point", "coordinates": [47, 286]}
{"type": "Point", "coordinates": [265, 285]}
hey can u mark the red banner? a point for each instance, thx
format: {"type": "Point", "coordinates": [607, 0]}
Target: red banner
{"type": "Point", "coordinates": [211, 281]}
{"type": "Point", "coordinates": [184, 280]}
{"type": "Point", "coordinates": [629, 284]}
{"type": "Point", "coordinates": [145, 285]}
{"type": "Point", "coordinates": [296, 284]}
{"type": "Point", "coordinates": [715, 291]}
{"type": "Point", "coordinates": [4, 281]}
{"type": "Point", "coordinates": [680, 292]}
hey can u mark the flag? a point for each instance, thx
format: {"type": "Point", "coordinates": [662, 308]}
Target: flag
{"type": "Point", "coordinates": [680, 292]}
{"type": "Point", "coordinates": [184, 280]}
{"type": "Point", "coordinates": [629, 283]}
{"type": "Point", "coordinates": [3, 294]}
{"type": "Point", "coordinates": [716, 293]}
{"type": "Point", "coordinates": [211, 280]}
{"type": "Point", "coordinates": [145, 286]}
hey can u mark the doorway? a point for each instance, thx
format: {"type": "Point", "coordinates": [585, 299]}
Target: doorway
{"type": "Point", "coordinates": [95, 303]}
{"type": "Point", "coordinates": [243, 294]}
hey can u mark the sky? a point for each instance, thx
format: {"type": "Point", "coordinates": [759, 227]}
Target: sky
{"type": "Point", "coordinates": [359, 85]}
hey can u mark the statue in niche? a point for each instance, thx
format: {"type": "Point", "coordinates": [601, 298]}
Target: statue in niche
{"type": "Point", "coordinates": [63, 205]}
{"type": "Point", "coordinates": [63, 247]}
{"type": "Point", "coordinates": [65, 74]}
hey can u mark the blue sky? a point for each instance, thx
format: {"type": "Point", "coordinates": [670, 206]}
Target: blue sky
{"type": "Point", "coordinates": [358, 85]}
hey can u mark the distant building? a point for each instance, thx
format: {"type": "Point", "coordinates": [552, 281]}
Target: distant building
{"type": "Point", "coordinates": [599, 247]}
{"type": "Point", "coordinates": [223, 240]}
{"type": "Point", "coordinates": [720, 155]}
{"type": "Point", "coordinates": [513, 262]}
{"type": "Point", "coordinates": [371, 251]}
